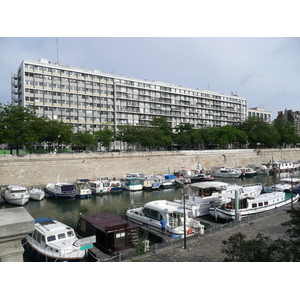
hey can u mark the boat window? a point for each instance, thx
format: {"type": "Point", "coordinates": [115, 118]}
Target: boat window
{"type": "Point", "coordinates": [35, 234]}
{"type": "Point", "coordinates": [39, 237]}
{"type": "Point", "coordinates": [254, 205]}
{"type": "Point", "coordinates": [70, 233]}
{"type": "Point", "coordinates": [260, 204]}
{"type": "Point", "coordinates": [151, 213]}
{"type": "Point", "coordinates": [266, 203]}
{"type": "Point", "coordinates": [61, 236]}
{"type": "Point", "coordinates": [43, 239]}
{"type": "Point", "coordinates": [51, 238]}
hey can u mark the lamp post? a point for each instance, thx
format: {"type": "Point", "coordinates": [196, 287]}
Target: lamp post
{"type": "Point", "coordinates": [184, 217]}
{"type": "Point", "coordinates": [292, 205]}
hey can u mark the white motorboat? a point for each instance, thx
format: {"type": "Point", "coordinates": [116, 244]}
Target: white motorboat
{"type": "Point", "coordinates": [262, 170]}
{"type": "Point", "coordinates": [99, 187]}
{"type": "Point", "coordinates": [284, 184]}
{"type": "Point", "coordinates": [16, 194]}
{"type": "Point", "coordinates": [153, 212]}
{"type": "Point", "coordinates": [226, 172]}
{"type": "Point", "coordinates": [150, 183]}
{"type": "Point", "coordinates": [82, 188]}
{"type": "Point", "coordinates": [207, 193]}
{"type": "Point", "coordinates": [246, 171]}
{"type": "Point", "coordinates": [115, 186]}
{"type": "Point", "coordinates": [53, 241]}
{"type": "Point", "coordinates": [252, 205]}
{"type": "Point", "coordinates": [131, 183]}
{"type": "Point", "coordinates": [36, 194]}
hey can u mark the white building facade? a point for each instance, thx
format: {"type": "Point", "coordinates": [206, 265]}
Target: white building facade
{"type": "Point", "coordinates": [258, 112]}
{"type": "Point", "coordinates": [90, 99]}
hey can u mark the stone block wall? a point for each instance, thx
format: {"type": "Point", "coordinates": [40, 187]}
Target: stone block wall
{"type": "Point", "coordinates": [38, 170]}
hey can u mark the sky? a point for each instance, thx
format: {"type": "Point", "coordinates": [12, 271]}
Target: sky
{"type": "Point", "coordinates": [259, 66]}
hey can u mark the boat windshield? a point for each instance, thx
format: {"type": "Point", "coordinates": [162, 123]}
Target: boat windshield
{"type": "Point", "coordinates": [51, 238]}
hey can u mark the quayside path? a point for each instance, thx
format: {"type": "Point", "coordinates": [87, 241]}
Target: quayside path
{"type": "Point", "coordinates": [208, 247]}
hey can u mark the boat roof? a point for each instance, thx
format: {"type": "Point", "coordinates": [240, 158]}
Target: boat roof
{"type": "Point", "coordinates": [104, 220]}
{"type": "Point", "coordinates": [209, 184]}
{"type": "Point", "coordinates": [50, 226]}
{"type": "Point", "coordinates": [164, 206]}
{"type": "Point", "coordinates": [290, 179]}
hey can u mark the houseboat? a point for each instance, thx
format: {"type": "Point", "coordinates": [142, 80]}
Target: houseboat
{"type": "Point", "coordinates": [151, 214]}
{"type": "Point", "coordinates": [53, 241]}
{"type": "Point", "coordinates": [113, 233]}
{"type": "Point", "coordinates": [253, 205]}
{"type": "Point", "coordinates": [100, 186]}
{"type": "Point", "coordinates": [205, 194]}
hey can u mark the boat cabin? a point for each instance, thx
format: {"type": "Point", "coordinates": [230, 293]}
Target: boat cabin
{"type": "Point", "coordinates": [113, 233]}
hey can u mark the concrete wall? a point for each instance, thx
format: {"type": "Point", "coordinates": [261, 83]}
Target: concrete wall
{"type": "Point", "coordinates": [15, 224]}
{"type": "Point", "coordinates": [41, 169]}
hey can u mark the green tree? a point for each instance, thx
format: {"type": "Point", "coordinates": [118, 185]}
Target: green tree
{"type": "Point", "coordinates": [17, 126]}
{"type": "Point", "coordinates": [239, 249]}
{"type": "Point", "coordinates": [184, 135]}
{"type": "Point", "coordinates": [262, 248]}
{"type": "Point", "coordinates": [105, 137]}
{"type": "Point", "coordinates": [259, 132]}
{"type": "Point", "coordinates": [287, 131]}
{"type": "Point", "coordinates": [83, 139]}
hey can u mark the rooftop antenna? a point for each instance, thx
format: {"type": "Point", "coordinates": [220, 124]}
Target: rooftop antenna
{"type": "Point", "coordinates": [57, 50]}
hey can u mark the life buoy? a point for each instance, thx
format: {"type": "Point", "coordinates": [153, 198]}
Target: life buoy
{"type": "Point", "coordinates": [190, 231]}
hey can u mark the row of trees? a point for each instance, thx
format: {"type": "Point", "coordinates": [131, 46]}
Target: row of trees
{"type": "Point", "coordinates": [21, 127]}
{"type": "Point", "coordinates": [253, 133]}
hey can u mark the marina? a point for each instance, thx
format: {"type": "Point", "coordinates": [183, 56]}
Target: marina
{"type": "Point", "coordinates": [68, 211]}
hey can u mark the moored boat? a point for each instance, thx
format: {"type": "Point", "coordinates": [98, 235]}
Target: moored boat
{"type": "Point", "coordinates": [53, 241]}
{"type": "Point", "coordinates": [252, 205]}
{"type": "Point", "coordinates": [226, 172]}
{"type": "Point", "coordinates": [36, 194]}
{"type": "Point", "coordinates": [115, 186]}
{"type": "Point", "coordinates": [283, 184]}
{"type": "Point", "coordinates": [151, 214]}
{"type": "Point", "coordinates": [82, 188]}
{"type": "Point", "coordinates": [206, 194]}
{"type": "Point", "coordinates": [62, 190]}
{"type": "Point", "coordinates": [113, 233]}
{"type": "Point", "coordinates": [131, 183]}
{"type": "Point", "coordinates": [16, 194]}
{"type": "Point", "coordinates": [100, 186]}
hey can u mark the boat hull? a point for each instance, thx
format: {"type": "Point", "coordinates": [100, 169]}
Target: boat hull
{"type": "Point", "coordinates": [229, 214]}
{"type": "Point", "coordinates": [41, 257]}
{"type": "Point", "coordinates": [37, 194]}
{"type": "Point", "coordinates": [17, 201]}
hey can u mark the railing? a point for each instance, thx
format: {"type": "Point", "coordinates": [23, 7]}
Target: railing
{"type": "Point", "coordinates": [171, 242]}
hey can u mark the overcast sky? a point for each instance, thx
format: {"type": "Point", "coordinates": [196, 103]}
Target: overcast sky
{"type": "Point", "coordinates": [264, 70]}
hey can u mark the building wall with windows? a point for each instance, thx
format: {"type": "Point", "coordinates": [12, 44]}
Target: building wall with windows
{"type": "Point", "coordinates": [259, 113]}
{"type": "Point", "coordinates": [90, 99]}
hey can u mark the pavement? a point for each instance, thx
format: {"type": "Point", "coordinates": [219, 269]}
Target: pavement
{"type": "Point", "coordinates": [208, 247]}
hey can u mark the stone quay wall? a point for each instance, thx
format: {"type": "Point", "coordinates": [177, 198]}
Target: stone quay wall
{"type": "Point", "coordinates": [40, 169]}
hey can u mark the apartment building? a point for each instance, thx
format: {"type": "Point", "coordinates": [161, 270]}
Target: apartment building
{"type": "Point", "coordinates": [291, 116]}
{"type": "Point", "coordinates": [90, 99]}
{"type": "Point", "coordinates": [260, 113]}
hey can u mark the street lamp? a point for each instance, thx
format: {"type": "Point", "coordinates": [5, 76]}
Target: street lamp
{"type": "Point", "coordinates": [184, 217]}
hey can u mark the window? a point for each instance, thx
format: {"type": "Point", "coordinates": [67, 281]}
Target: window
{"type": "Point", "coordinates": [51, 238]}
{"type": "Point", "coordinates": [254, 205]}
{"type": "Point", "coordinates": [61, 236]}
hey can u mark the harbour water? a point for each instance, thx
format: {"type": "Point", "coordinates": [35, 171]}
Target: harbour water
{"type": "Point", "coordinates": [67, 211]}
